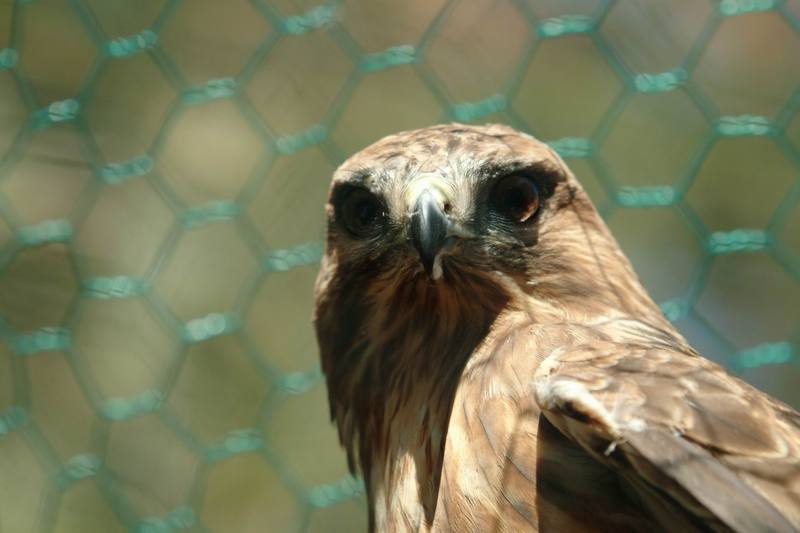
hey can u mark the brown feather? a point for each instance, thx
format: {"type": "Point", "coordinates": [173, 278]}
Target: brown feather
{"type": "Point", "coordinates": [535, 386]}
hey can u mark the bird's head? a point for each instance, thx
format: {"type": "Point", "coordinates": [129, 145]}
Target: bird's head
{"type": "Point", "coordinates": [448, 205]}
{"type": "Point", "coordinates": [432, 235]}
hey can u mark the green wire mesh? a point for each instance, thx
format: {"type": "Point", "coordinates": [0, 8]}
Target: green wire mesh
{"type": "Point", "coordinates": [163, 166]}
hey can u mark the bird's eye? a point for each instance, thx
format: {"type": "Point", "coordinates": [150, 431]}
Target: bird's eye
{"type": "Point", "coordinates": [360, 212]}
{"type": "Point", "coordinates": [516, 197]}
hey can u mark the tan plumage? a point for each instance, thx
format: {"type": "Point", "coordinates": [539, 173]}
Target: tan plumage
{"type": "Point", "coordinates": [524, 380]}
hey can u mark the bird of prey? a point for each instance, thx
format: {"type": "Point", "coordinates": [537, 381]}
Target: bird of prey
{"type": "Point", "coordinates": [494, 364]}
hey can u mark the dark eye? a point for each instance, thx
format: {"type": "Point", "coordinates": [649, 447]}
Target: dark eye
{"type": "Point", "coordinates": [516, 197]}
{"type": "Point", "coordinates": [360, 211]}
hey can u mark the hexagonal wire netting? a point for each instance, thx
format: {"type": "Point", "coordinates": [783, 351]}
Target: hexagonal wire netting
{"type": "Point", "coordinates": [163, 166]}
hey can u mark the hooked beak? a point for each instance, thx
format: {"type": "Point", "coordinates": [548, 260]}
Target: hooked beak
{"type": "Point", "coordinates": [429, 232]}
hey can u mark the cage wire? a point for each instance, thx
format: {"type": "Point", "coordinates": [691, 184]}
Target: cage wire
{"type": "Point", "coordinates": [163, 167]}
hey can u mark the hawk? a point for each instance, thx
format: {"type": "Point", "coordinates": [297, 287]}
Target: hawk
{"type": "Point", "coordinates": [494, 364]}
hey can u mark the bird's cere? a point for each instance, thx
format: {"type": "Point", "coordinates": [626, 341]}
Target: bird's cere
{"type": "Point", "coordinates": [440, 189]}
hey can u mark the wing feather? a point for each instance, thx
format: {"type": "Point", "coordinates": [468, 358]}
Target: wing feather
{"type": "Point", "coordinates": [686, 435]}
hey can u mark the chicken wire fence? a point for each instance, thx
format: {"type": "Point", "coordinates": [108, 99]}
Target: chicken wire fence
{"type": "Point", "coordinates": [163, 167]}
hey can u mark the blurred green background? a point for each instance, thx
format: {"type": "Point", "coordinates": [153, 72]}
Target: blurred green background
{"type": "Point", "coordinates": [163, 168]}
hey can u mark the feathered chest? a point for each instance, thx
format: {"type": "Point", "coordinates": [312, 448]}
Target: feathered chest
{"type": "Point", "coordinates": [393, 363]}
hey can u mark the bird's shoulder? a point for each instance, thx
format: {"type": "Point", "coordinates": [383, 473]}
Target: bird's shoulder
{"type": "Point", "coordinates": [682, 431]}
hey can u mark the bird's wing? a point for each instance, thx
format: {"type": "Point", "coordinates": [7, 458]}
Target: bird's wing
{"type": "Point", "coordinates": [685, 436]}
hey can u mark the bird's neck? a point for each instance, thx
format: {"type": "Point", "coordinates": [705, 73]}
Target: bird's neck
{"type": "Point", "coordinates": [583, 275]}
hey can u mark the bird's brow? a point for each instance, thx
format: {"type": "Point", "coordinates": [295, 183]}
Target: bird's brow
{"type": "Point", "coordinates": [545, 173]}
{"type": "Point", "coordinates": [358, 176]}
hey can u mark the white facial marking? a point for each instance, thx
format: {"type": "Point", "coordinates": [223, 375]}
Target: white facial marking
{"type": "Point", "coordinates": [433, 183]}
